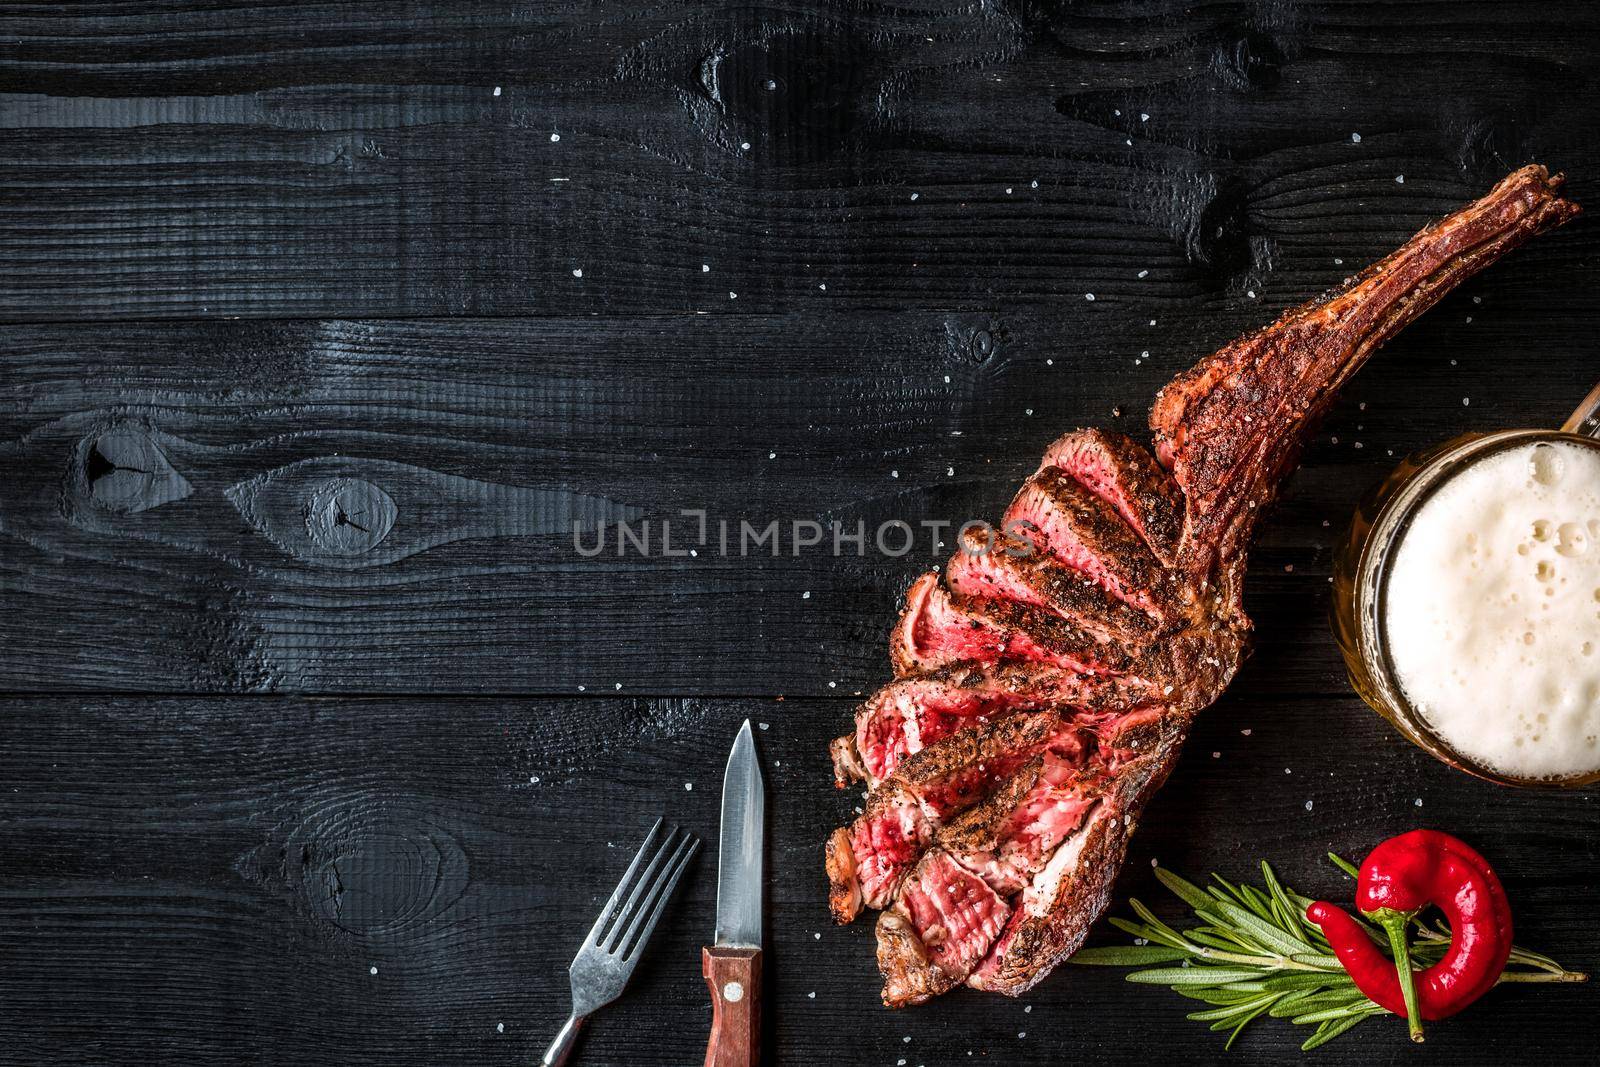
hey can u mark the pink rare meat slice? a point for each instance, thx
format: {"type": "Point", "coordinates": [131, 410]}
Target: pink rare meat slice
{"type": "Point", "coordinates": [1012, 568]}
{"type": "Point", "coordinates": [1002, 843]}
{"type": "Point", "coordinates": [912, 713]}
{"type": "Point", "coordinates": [1119, 471]}
{"type": "Point", "coordinates": [938, 931]}
{"type": "Point", "coordinates": [1085, 533]}
{"type": "Point", "coordinates": [937, 629]}
{"type": "Point", "coordinates": [867, 859]}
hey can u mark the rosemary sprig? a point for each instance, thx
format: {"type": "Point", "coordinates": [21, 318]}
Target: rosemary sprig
{"type": "Point", "coordinates": [1253, 954]}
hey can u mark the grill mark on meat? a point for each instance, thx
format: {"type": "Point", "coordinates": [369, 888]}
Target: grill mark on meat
{"type": "Point", "coordinates": [1117, 470]}
{"type": "Point", "coordinates": [1086, 534]}
{"type": "Point", "coordinates": [937, 629]}
{"type": "Point", "coordinates": [988, 902]}
{"type": "Point", "coordinates": [910, 714]}
{"type": "Point", "coordinates": [1013, 569]}
{"type": "Point", "coordinates": [867, 859]}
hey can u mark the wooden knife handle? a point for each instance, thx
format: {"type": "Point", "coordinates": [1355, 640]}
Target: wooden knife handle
{"type": "Point", "coordinates": [734, 977]}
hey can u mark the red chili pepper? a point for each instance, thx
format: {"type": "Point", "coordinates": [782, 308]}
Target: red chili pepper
{"type": "Point", "coordinates": [1399, 878]}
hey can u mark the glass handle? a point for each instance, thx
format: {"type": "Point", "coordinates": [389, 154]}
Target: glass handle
{"type": "Point", "coordinates": [1585, 420]}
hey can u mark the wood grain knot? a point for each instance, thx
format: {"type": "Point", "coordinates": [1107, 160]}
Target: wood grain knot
{"type": "Point", "coordinates": [122, 469]}
{"type": "Point", "coordinates": [792, 93]}
{"type": "Point", "coordinates": [374, 866]}
{"type": "Point", "coordinates": [1248, 59]}
{"type": "Point", "coordinates": [974, 338]}
{"type": "Point", "coordinates": [330, 511]}
{"type": "Point", "coordinates": [1217, 237]}
{"type": "Point", "coordinates": [349, 516]}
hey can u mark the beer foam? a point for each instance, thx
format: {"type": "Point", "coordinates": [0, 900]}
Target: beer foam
{"type": "Point", "coordinates": [1492, 612]}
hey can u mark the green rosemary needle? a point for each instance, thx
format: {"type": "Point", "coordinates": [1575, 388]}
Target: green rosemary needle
{"type": "Point", "coordinates": [1253, 954]}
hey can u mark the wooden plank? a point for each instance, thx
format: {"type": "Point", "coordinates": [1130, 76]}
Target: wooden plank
{"type": "Point", "coordinates": [195, 159]}
{"type": "Point", "coordinates": [356, 506]}
{"type": "Point", "coordinates": [215, 881]}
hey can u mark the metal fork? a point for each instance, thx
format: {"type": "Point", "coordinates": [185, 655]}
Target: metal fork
{"type": "Point", "coordinates": [606, 959]}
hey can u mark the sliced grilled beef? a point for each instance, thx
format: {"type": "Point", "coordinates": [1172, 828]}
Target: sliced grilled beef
{"type": "Point", "coordinates": [937, 629]}
{"type": "Point", "coordinates": [867, 859]}
{"type": "Point", "coordinates": [1117, 470]}
{"type": "Point", "coordinates": [940, 928]}
{"type": "Point", "coordinates": [909, 714]}
{"type": "Point", "coordinates": [1002, 843]}
{"type": "Point", "coordinates": [1053, 913]}
{"type": "Point", "coordinates": [1011, 568]}
{"type": "Point", "coordinates": [1086, 534]}
{"type": "Point", "coordinates": [999, 893]}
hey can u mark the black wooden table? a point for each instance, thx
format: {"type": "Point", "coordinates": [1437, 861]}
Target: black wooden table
{"type": "Point", "coordinates": [323, 321]}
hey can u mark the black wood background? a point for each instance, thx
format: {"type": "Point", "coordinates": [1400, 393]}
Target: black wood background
{"type": "Point", "coordinates": [281, 793]}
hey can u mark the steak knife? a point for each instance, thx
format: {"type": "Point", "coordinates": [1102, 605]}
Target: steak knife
{"type": "Point", "coordinates": [732, 964]}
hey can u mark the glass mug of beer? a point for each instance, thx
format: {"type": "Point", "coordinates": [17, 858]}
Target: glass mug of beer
{"type": "Point", "coordinates": [1467, 602]}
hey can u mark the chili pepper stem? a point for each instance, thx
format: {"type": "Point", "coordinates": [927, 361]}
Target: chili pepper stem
{"type": "Point", "coordinates": [1398, 926]}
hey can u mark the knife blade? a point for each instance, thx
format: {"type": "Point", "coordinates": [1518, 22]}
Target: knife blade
{"type": "Point", "coordinates": [732, 964]}
{"type": "Point", "coordinates": [739, 847]}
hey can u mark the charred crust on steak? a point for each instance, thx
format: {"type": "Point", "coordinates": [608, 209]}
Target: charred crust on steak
{"type": "Point", "coordinates": [910, 975]}
{"type": "Point", "coordinates": [938, 628]}
{"type": "Point", "coordinates": [1231, 428]}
